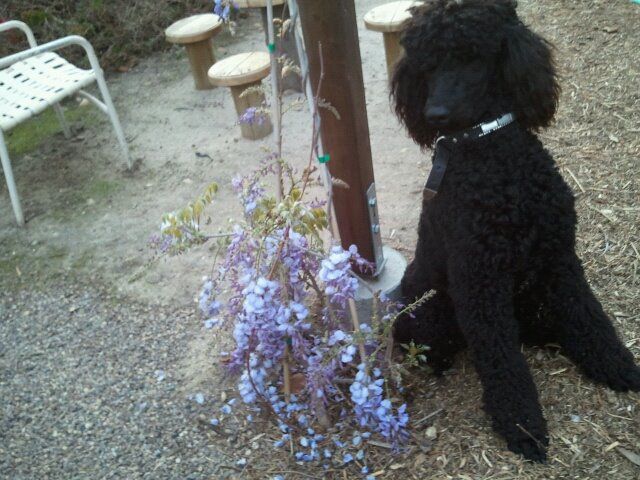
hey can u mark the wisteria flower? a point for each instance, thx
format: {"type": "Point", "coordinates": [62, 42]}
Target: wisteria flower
{"type": "Point", "coordinates": [285, 301]}
{"type": "Point", "coordinates": [335, 272]}
{"type": "Point", "coordinates": [348, 354]}
{"type": "Point", "coordinates": [222, 8]}
{"type": "Point", "coordinates": [253, 116]}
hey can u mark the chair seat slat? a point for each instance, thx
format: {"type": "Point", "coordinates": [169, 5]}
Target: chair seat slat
{"type": "Point", "coordinates": [30, 86]}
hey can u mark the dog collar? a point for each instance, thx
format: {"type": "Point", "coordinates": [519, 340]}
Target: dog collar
{"type": "Point", "coordinates": [445, 143]}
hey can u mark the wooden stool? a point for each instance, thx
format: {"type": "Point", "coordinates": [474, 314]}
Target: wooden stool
{"type": "Point", "coordinates": [389, 19]}
{"type": "Point", "coordinates": [288, 44]}
{"type": "Point", "coordinates": [241, 72]}
{"type": "Point", "coordinates": [195, 33]}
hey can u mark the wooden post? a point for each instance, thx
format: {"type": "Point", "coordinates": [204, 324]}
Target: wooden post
{"type": "Point", "coordinates": [332, 23]}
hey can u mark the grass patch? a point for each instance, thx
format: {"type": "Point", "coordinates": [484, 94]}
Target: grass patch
{"type": "Point", "coordinates": [82, 261]}
{"type": "Point", "coordinates": [69, 206]}
{"type": "Point", "coordinates": [100, 189]}
{"type": "Point", "coordinates": [56, 252]}
{"type": "Point", "coordinates": [28, 136]}
{"type": "Point", "coordinates": [9, 263]}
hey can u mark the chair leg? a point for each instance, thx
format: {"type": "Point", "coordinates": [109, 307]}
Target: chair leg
{"type": "Point", "coordinates": [11, 184]}
{"type": "Point", "coordinates": [63, 123]}
{"type": "Point", "coordinates": [113, 115]}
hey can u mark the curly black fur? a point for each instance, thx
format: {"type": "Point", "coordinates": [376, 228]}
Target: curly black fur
{"type": "Point", "coordinates": [498, 241]}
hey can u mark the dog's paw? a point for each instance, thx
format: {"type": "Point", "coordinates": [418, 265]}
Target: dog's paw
{"type": "Point", "coordinates": [623, 380]}
{"type": "Point", "coordinates": [525, 431]}
{"type": "Point", "coordinates": [534, 450]}
{"type": "Point", "coordinates": [619, 373]}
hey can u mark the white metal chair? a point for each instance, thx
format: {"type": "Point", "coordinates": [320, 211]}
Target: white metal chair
{"type": "Point", "coordinates": [38, 78]}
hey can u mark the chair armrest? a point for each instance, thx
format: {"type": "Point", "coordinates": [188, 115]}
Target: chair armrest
{"type": "Point", "coordinates": [15, 24]}
{"type": "Point", "coordinates": [54, 45]}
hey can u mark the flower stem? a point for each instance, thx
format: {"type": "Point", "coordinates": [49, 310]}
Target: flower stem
{"type": "Point", "coordinates": [286, 372]}
{"type": "Point", "coordinates": [356, 328]}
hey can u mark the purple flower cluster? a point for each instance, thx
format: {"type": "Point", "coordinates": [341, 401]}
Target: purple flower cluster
{"type": "Point", "coordinates": [222, 8]}
{"type": "Point", "coordinates": [253, 116]}
{"type": "Point", "coordinates": [321, 373]}
{"type": "Point", "coordinates": [271, 277]}
{"type": "Point", "coordinates": [335, 272]}
{"type": "Point", "coordinates": [266, 321]}
{"type": "Point", "coordinates": [162, 243]}
{"type": "Point", "coordinates": [252, 382]}
{"type": "Point", "coordinates": [374, 411]}
{"type": "Point", "coordinates": [249, 191]}
{"type": "Point", "coordinates": [209, 306]}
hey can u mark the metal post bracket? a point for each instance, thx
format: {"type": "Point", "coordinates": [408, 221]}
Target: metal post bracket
{"type": "Point", "coordinates": [374, 220]}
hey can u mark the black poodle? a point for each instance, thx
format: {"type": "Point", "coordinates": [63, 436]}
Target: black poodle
{"type": "Point", "coordinates": [496, 239]}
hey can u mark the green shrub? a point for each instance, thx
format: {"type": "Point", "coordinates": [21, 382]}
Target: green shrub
{"type": "Point", "coordinates": [120, 30]}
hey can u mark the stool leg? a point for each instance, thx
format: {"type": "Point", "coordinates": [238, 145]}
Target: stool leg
{"type": "Point", "coordinates": [201, 58]}
{"type": "Point", "coordinates": [256, 130]}
{"type": "Point", "coordinates": [392, 49]}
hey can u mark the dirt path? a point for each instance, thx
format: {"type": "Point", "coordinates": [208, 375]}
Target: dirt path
{"type": "Point", "coordinates": [88, 222]}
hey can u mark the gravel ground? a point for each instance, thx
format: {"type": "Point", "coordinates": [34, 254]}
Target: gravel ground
{"type": "Point", "coordinates": [82, 392]}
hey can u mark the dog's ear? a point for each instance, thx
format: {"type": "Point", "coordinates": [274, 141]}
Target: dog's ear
{"type": "Point", "coordinates": [409, 91]}
{"type": "Point", "coordinates": [529, 76]}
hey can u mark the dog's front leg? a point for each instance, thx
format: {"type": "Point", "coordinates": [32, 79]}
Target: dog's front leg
{"type": "Point", "coordinates": [483, 301]}
{"type": "Point", "coordinates": [432, 323]}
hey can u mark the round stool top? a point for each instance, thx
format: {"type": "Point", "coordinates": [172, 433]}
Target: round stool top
{"type": "Point", "coordinates": [389, 17]}
{"type": "Point", "coordinates": [255, 3]}
{"type": "Point", "coordinates": [194, 29]}
{"type": "Point", "coordinates": [240, 69]}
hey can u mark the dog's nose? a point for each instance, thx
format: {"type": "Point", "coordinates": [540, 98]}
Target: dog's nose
{"type": "Point", "coordinates": [437, 114]}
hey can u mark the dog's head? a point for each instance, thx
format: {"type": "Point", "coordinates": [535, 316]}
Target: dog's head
{"type": "Point", "coordinates": [468, 60]}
